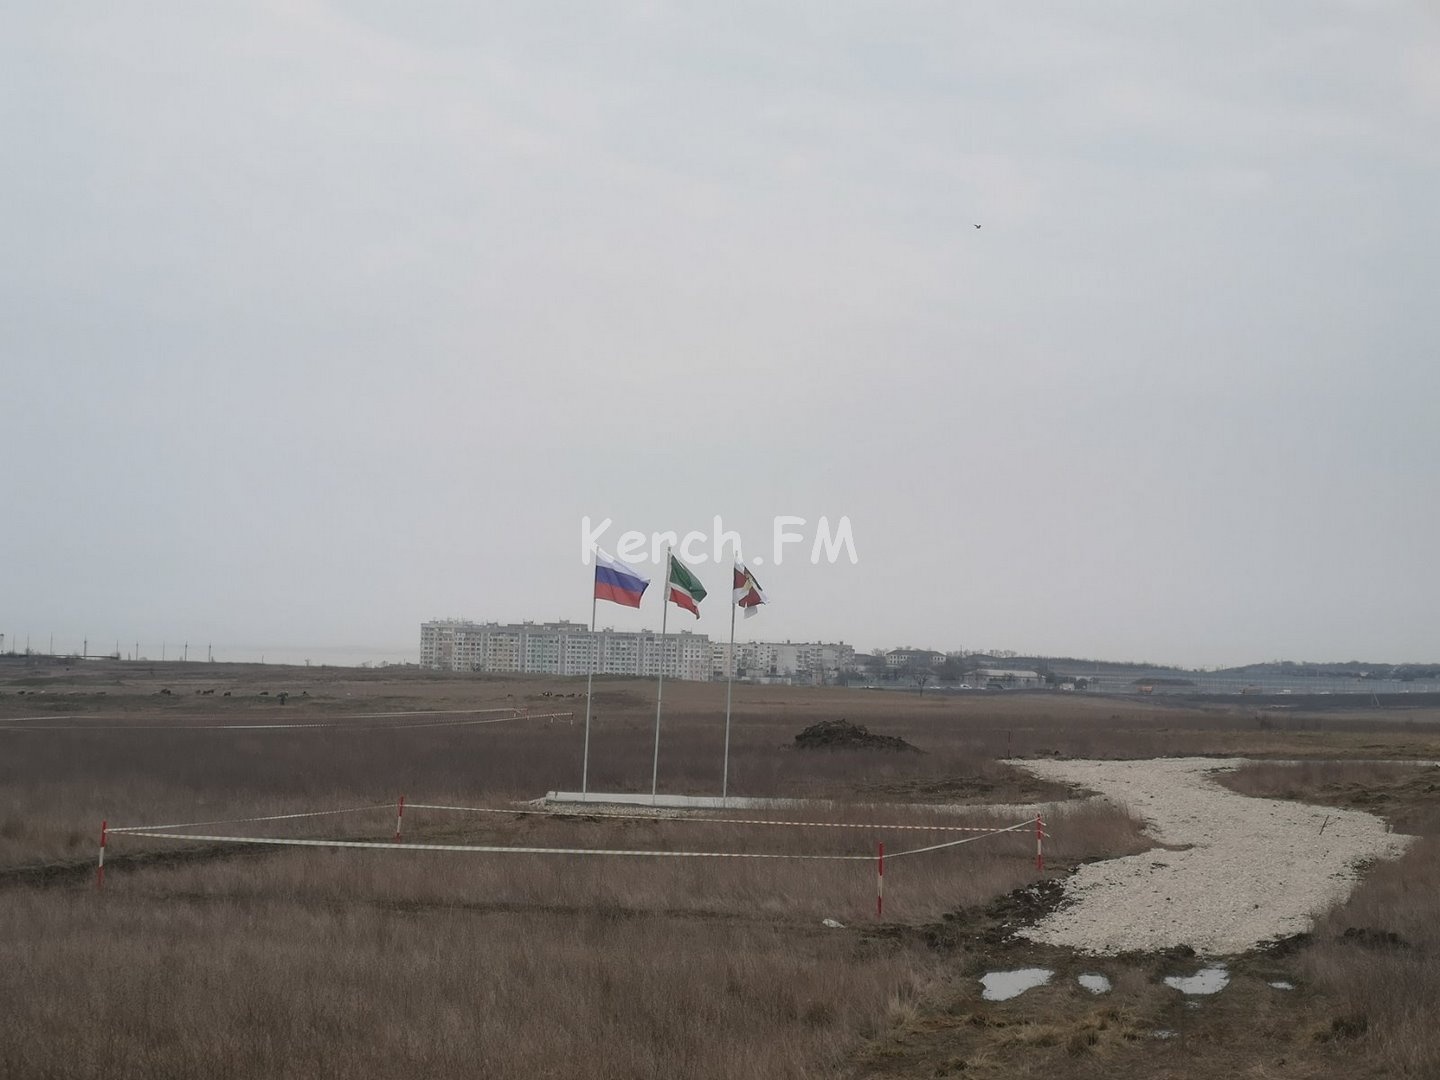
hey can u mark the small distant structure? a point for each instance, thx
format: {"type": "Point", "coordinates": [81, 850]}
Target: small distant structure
{"type": "Point", "coordinates": [1164, 684]}
{"type": "Point", "coordinates": [907, 657]}
{"type": "Point", "coordinates": [1005, 678]}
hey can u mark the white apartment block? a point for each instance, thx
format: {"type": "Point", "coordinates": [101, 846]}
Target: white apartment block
{"type": "Point", "coordinates": [560, 648]}
{"type": "Point", "coordinates": [776, 661]}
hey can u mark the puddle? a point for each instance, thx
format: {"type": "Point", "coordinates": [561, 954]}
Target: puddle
{"type": "Point", "coordinates": [1096, 984]}
{"type": "Point", "coordinates": [1004, 985]}
{"type": "Point", "coordinates": [1281, 984]}
{"type": "Point", "coordinates": [1205, 981]}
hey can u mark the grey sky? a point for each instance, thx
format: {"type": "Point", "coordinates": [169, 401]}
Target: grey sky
{"type": "Point", "coordinates": [318, 320]}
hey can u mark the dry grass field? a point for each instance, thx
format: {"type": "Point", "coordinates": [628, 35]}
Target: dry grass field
{"type": "Point", "coordinates": [1377, 956]}
{"type": "Point", "coordinates": [253, 962]}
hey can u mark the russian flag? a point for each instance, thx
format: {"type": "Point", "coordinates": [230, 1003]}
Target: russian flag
{"type": "Point", "coordinates": [617, 582]}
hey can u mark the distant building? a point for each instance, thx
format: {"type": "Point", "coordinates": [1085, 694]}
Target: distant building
{"type": "Point", "coordinates": [788, 661]}
{"type": "Point", "coordinates": [825, 660]}
{"type": "Point", "coordinates": [1010, 678]}
{"type": "Point", "coordinates": [867, 663]}
{"type": "Point", "coordinates": [561, 648]}
{"type": "Point", "coordinates": [913, 658]}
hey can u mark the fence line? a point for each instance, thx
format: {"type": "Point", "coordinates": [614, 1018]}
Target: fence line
{"type": "Point", "coordinates": [388, 845]}
{"type": "Point", "coordinates": [323, 725]}
{"type": "Point", "coordinates": [967, 840]}
{"type": "Point", "coordinates": [162, 833]}
{"type": "Point", "coordinates": [700, 820]}
{"type": "Point", "coordinates": [239, 820]}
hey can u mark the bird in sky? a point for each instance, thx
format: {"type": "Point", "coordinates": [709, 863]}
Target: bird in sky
{"type": "Point", "coordinates": [977, 226]}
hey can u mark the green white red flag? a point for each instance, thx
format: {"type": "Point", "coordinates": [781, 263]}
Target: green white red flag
{"type": "Point", "coordinates": [685, 587]}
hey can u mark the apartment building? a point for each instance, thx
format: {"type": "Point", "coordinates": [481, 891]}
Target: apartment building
{"type": "Point", "coordinates": [561, 648]}
{"type": "Point", "coordinates": [781, 661]}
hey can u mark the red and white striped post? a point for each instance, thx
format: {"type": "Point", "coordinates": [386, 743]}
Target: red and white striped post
{"type": "Point", "coordinates": [100, 865]}
{"type": "Point", "coordinates": [399, 817]}
{"type": "Point", "coordinates": [880, 880]}
{"type": "Point", "coordinates": [1039, 844]}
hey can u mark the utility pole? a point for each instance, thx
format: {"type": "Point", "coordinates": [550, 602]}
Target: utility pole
{"type": "Point", "coordinates": [186, 655]}
{"type": "Point", "coordinates": [210, 653]}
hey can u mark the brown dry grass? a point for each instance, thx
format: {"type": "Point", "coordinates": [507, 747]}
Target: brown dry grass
{"type": "Point", "coordinates": [919, 888]}
{"type": "Point", "coordinates": [1061, 1031]}
{"type": "Point", "coordinates": [134, 755]}
{"type": "Point", "coordinates": [1367, 981]}
{"type": "Point", "coordinates": [56, 786]}
{"type": "Point", "coordinates": [1376, 957]}
{"type": "Point", "coordinates": [119, 987]}
{"type": "Point", "coordinates": [319, 963]}
{"type": "Point", "coordinates": [1403, 793]}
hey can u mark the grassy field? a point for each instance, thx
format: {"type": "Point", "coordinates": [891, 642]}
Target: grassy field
{"type": "Point", "coordinates": [251, 962]}
{"type": "Point", "coordinates": [1377, 956]}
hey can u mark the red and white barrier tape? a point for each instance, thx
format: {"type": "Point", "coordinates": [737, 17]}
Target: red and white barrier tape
{"type": "Point", "coordinates": [157, 833]}
{"type": "Point", "coordinates": [494, 848]}
{"type": "Point", "coordinates": [966, 840]}
{"type": "Point", "coordinates": [241, 820]}
{"type": "Point", "coordinates": [464, 723]}
{"type": "Point", "coordinates": [328, 725]}
{"type": "Point", "coordinates": [424, 712]}
{"type": "Point", "coordinates": [703, 820]}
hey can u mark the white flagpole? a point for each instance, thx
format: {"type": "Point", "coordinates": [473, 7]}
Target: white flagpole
{"type": "Point", "coordinates": [589, 685]}
{"type": "Point", "coordinates": [729, 686]}
{"type": "Point", "coordinates": [660, 686]}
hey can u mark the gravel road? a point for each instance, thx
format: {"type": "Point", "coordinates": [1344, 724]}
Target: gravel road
{"type": "Point", "coordinates": [1257, 868]}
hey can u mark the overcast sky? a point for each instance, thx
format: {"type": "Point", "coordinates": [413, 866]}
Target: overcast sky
{"type": "Point", "coordinates": [318, 320]}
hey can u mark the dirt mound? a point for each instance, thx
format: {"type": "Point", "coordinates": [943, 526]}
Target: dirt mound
{"type": "Point", "coordinates": [843, 735]}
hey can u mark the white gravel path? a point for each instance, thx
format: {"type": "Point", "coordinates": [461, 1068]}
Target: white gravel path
{"type": "Point", "coordinates": [1258, 868]}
